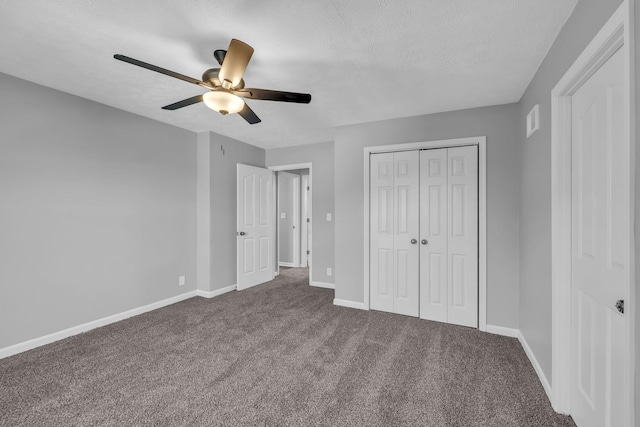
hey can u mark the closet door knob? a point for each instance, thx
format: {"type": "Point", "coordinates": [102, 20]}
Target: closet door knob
{"type": "Point", "coordinates": [414, 241]}
{"type": "Point", "coordinates": [424, 242]}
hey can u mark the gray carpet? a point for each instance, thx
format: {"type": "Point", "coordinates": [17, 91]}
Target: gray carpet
{"type": "Point", "coordinates": [277, 354]}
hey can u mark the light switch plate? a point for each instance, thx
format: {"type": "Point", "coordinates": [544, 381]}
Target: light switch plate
{"type": "Point", "coordinates": [328, 217]}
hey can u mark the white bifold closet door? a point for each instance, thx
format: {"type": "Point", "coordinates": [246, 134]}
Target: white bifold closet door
{"type": "Point", "coordinates": [424, 234]}
{"type": "Point", "coordinates": [449, 235]}
{"type": "Point", "coordinates": [394, 224]}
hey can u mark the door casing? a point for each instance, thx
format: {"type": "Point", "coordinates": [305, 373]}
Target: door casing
{"type": "Point", "coordinates": [310, 243]}
{"type": "Point", "coordinates": [481, 142]}
{"type": "Point", "coordinates": [615, 34]}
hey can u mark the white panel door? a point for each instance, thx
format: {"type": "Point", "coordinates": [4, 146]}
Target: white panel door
{"type": "Point", "coordinates": [433, 235]}
{"type": "Point", "coordinates": [407, 221]}
{"type": "Point", "coordinates": [256, 225]}
{"type": "Point", "coordinates": [382, 233]}
{"type": "Point", "coordinates": [462, 260]}
{"type": "Point", "coordinates": [600, 248]}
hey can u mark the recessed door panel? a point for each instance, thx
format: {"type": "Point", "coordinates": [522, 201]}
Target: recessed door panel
{"type": "Point", "coordinates": [458, 281]}
{"type": "Point", "coordinates": [385, 272]}
{"type": "Point", "coordinates": [249, 200]}
{"type": "Point", "coordinates": [263, 254]}
{"type": "Point", "coordinates": [249, 266]}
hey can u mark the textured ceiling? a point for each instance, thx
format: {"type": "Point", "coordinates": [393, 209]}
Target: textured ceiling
{"type": "Point", "coordinates": [362, 60]}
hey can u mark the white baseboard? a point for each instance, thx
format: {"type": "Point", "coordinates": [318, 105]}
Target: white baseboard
{"type": "Point", "coordinates": [349, 304]}
{"type": "Point", "coordinates": [57, 336]}
{"type": "Point", "coordinates": [286, 264]}
{"type": "Point", "coordinates": [211, 294]}
{"type": "Point", "coordinates": [501, 330]}
{"type": "Point", "coordinates": [536, 365]}
{"type": "Point", "coordinates": [323, 285]}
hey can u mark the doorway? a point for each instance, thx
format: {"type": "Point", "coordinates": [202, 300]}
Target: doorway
{"type": "Point", "coordinates": [294, 196]}
{"type": "Point", "coordinates": [593, 165]}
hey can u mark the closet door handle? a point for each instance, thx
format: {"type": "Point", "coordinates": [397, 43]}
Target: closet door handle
{"type": "Point", "coordinates": [414, 241]}
{"type": "Point", "coordinates": [424, 242]}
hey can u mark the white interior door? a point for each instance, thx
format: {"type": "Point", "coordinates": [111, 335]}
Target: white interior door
{"type": "Point", "coordinates": [256, 225]}
{"type": "Point", "coordinates": [600, 248]}
{"type": "Point", "coordinates": [434, 253]}
{"type": "Point", "coordinates": [394, 232]}
{"type": "Point", "coordinates": [462, 244]}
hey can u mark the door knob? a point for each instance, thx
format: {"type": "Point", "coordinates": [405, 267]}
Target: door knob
{"type": "Point", "coordinates": [241, 233]}
{"type": "Point", "coordinates": [414, 241]}
{"type": "Point", "coordinates": [424, 241]}
{"type": "Point", "coordinates": [620, 306]}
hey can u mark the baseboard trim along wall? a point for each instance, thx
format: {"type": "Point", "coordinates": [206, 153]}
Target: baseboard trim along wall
{"type": "Point", "coordinates": [349, 304]}
{"type": "Point", "coordinates": [515, 333]}
{"type": "Point", "coordinates": [57, 336]}
{"type": "Point", "coordinates": [286, 264]}
{"type": "Point", "coordinates": [532, 358]}
{"type": "Point", "coordinates": [323, 285]}
{"type": "Point", "coordinates": [501, 330]}
{"type": "Point", "coordinates": [211, 294]}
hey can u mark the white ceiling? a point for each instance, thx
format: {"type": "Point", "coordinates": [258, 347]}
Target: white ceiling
{"type": "Point", "coordinates": [361, 60]}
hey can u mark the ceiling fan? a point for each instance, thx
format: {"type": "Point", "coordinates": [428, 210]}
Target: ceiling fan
{"type": "Point", "coordinates": [225, 84]}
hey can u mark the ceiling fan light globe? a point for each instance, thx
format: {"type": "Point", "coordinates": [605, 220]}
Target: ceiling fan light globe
{"type": "Point", "coordinates": [223, 102]}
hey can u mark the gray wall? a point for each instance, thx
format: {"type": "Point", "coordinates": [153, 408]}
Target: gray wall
{"type": "Point", "coordinates": [285, 225]}
{"type": "Point", "coordinates": [225, 154]}
{"type": "Point", "coordinates": [97, 213]}
{"type": "Point", "coordinates": [535, 159]}
{"type": "Point", "coordinates": [322, 192]}
{"type": "Point", "coordinates": [500, 125]}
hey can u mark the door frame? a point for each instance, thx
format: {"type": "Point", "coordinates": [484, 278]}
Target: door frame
{"type": "Point", "coordinates": [615, 34]}
{"type": "Point", "coordinates": [481, 142]}
{"type": "Point", "coordinates": [285, 168]}
{"type": "Point", "coordinates": [304, 225]}
{"type": "Point", "coordinates": [295, 220]}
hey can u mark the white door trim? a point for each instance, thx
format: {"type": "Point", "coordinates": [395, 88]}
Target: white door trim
{"type": "Point", "coordinates": [481, 142]}
{"type": "Point", "coordinates": [615, 34]}
{"type": "Point", "coordinates": [309, 166]}
{"type": "Point", "coordinates": [304, 225]}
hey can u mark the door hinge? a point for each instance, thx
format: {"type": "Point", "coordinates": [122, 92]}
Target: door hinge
{"type": "Point", "coordinates": [308, 188]}
{"type": "Point", "coordinates": [308, 220]}
{"type": "Point", "coordinates": [308, 252]}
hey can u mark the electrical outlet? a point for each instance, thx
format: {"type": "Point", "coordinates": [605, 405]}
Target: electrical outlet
{"type": "Point", "coordinates": [181, 281]}
{"type": "Point", "coordinates": [329, 272]}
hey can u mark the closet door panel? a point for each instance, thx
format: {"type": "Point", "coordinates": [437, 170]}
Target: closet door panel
{"type": "Point", "coordinates": [406, 215]}
{"type": "Point", "coordinates": [463, 236]}
{"type": "Point", "coordinates": [433, 235]}
{"type": "Point", "coordinates": [382, 233]}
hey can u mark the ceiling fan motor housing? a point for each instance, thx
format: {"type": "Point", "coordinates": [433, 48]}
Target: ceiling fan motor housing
{"type": "Point", "coordinates": [211, 76]}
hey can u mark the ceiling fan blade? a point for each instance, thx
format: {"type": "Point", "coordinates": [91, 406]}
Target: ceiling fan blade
{"type": "Point", "coordinates": [183, 103]}
{"type": "Point", "coordinates": [273, 95]}
{"type": "Point", "coordinates": [235, 62]}
{"type": "Point", "coordinates": [161, 70]}
{"type": "Point", "coordinates": [248, 114]}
